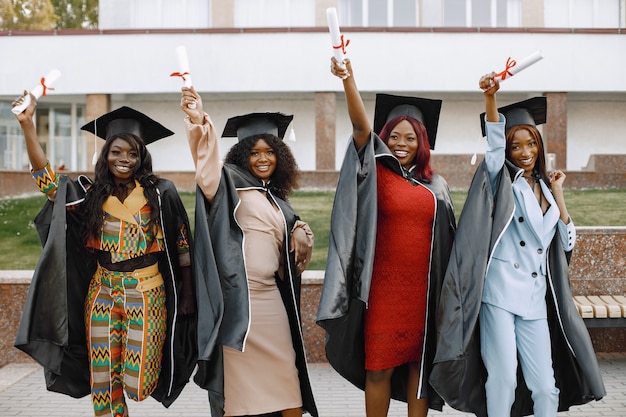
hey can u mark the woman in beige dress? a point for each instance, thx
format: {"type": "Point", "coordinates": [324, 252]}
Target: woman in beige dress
{"type": "Point", "coordinates": [252, 249]}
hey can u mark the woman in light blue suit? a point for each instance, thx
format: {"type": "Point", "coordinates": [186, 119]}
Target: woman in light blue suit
{"type": "Point", "coordinates": [506, 292]}
{"type": "Point", "coordinates": [513, 313]}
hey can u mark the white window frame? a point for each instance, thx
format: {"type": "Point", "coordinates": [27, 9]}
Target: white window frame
{"type": "Point", "coordinates": [513, 18]}
{"type": "Point", "coordinates": [347, 20]}
{"type": "Point", "coordinates": [596, 15]}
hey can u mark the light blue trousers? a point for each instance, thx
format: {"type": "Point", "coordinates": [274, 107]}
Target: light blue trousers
{"type": "Point", "coordinates": [502, 336]}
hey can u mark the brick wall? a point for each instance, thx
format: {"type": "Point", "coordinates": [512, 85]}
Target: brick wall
{"type": "Point", "coordinates": [602, 171]}
{"type": "Point", "coordinates": [13, 290]}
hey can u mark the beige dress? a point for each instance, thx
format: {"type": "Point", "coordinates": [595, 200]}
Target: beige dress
{"type": "Point", "coordinates": [263, 378]}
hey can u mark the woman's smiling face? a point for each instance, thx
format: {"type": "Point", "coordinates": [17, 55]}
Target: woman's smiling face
{"type": "Point", "coordinates": [262, 160]}
{"type": "Point", "coordinates": [524, 150]}
{"type": "Point", "coordinates": [122, 159]}
{"type": "Point", "coordinates": [403, 143]}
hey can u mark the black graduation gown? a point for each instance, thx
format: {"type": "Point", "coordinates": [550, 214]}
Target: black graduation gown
{"type": "Point", "coordinates": [52, 328]}
{"type": "Point", "coordinates": [222, 286]}
{"type": "Point", "coordinates": [458, 374]}
{"type": "Point", "coordinates": [349, 267]}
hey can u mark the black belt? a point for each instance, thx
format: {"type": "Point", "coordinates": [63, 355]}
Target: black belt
{"type": "Point", "coordinates": [104, 259]}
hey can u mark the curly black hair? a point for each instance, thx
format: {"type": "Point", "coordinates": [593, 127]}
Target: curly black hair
{"type": "Point", "coordinates": [284, 180]}
{"type": "Point", "coordinates": [104, 185]}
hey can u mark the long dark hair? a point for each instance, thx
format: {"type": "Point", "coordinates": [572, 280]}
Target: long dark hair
{"type": "Point", "coordinates": [539, 170]}
{"type": "Point", "coordinates": [423, 170]}
{"type": "Point", "coordinates": [284, 179]}
{"type": "Point", "coordinates": [104, 185]}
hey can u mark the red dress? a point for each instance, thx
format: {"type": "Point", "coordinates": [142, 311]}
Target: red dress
{"type": "Point", "coordinates": [396, 312]}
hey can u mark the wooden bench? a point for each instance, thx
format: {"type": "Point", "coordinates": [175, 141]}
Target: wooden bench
{"type": "Point", "coordinates": [602, 310]}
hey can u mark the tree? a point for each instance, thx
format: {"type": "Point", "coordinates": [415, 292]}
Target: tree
{"type": "Point", "coordinates": [48, 14]}
{"type": "Point", "coordinates": [76, 14]}
{"type": "Point", "coordinates": [27, 15]}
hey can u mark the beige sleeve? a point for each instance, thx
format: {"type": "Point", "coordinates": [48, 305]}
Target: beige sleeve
{"type": "Point", "coordinates": [205, 153]}
{"type": "Point", "coordinates": [309, 233]}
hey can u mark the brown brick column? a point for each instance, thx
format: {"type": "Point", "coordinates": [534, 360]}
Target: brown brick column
{"type": "Point", "coordinates": [555, 131]}
{"type": "Point", "coordinates": [95, 106]}
{"type": "Point", "coordinates": [320, 12]}
{"type": "Point", "coordinates": [223, 14]}
{"type": "Point", "coordinates": [325, 119]}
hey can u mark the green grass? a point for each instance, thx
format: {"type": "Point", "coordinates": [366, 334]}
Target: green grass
{"type": "Point", "coordinates": [19, 243]}
{"type": "Point", "coordinates": [586, 207]}
{"type": "Point", "coordinates": [597, 207]}
{"type": "Point", "coordinates": [20, 248]}
{"type": "Point", "coordinates": [314, 208]}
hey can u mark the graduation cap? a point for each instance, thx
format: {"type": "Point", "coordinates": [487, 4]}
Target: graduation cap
{"type": "Point", "coordinates": [127, 120]}
{"type": "Point", "coordinates": [532, 112]}
{"type": "Point", "coordinates": [423, 109]}
{"type": "Point", "coordinates": [253, 124]}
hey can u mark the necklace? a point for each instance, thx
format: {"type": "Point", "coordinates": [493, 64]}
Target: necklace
{"type": "Point", "coordinates": [532, 181]}
{"type": "Point", "coordinates": [128, 184]}
{"type": "Point", "coordinates": [123, 189]}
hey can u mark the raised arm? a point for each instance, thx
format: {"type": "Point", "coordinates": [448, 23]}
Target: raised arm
{"type": "Point", "coordinates": [494, 127]}
{"type": "Point", "coordinates": [361, 127]}
{"type": "Point", "coordinates": [189, 96]}
{"type": "Point", "coordinates": [490, 85]}
{"type": "Point", "coordinates": [202, 143]}
{"type": "Point", "coordinates": [36, 155]}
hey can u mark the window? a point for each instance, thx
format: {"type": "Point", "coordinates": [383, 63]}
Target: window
{"type": "Point", "coordinates": [584, 13]}
{"type": "Point", "coordinates": [153, 14]}
{"type": "Point", "coordinates": [379, 13]}
{"type": "Point", "coordinates": [434, 13]}
{"type": "Point", "coordinates": [58, 132]}
{"type": "Point", "coordinates": [274, 13]}
{"type": "Point", "coordinates": [12, 149]}
{"type": "Point", "coordinates": [482, 13]}
{"type": "Point", "coordinates": [64, 148]}
{"type": "Point", "coordinates": [405, 13]}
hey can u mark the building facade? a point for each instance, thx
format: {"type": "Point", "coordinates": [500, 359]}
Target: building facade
{"type": "Point", "coordinates": [274, 55]}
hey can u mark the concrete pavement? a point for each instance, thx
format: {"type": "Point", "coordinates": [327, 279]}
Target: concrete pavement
{"type": "Point", "coordinates": [23, 394]}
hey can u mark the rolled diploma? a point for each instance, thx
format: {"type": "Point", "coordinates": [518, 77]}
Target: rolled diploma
{"type": "Point", "coordinates": [37, 91]}
{"type": "Point", "coordinates": [523, 64]}
{"type": "Point", "coordinates": [335, 34]}
{"type": "Point", "coordinates": [183, 64]}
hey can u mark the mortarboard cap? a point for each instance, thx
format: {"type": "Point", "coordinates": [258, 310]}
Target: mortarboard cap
{"type": "Point", "coordinates": [423, 109]}
{"type": "Point", "coordinates": [257, 124]}
{"type": "Point", "coordinates": [532, 111]}
{"type": "Point", "coordinates": [127, 120]}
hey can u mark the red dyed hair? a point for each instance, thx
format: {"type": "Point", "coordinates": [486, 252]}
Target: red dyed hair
{"type": "Point", "coordinates": [423, 170]}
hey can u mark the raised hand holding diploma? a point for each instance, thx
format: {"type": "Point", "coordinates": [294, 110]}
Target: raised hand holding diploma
{"type": "Point", "coordinates": [489, 83]}
{"type": "Point", "coordinates": [338, 42]}
{"type": "Point", "coordinates": [39, 90]}
{"type": "Point", "coordinates": [183, 65]}
{"type": "Point", "coordinates": [513, 67]}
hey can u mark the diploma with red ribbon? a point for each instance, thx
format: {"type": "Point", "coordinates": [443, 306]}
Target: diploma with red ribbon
{"type": "Point", "coordinates": [513, 67]}
{"type": "Point", "coordinates": [39, 90]}
{"type": "Point", "coordinates": [183, 66]}
{"type": "Point", "coordinates": [339, 43]}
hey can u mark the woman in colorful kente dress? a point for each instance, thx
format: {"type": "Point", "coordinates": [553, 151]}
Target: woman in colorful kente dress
{"type": "Point", "coordinates": [111, 306]}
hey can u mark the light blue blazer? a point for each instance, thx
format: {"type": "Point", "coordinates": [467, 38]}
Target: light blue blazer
{"type": "Point", "coordinates": [517, 267]}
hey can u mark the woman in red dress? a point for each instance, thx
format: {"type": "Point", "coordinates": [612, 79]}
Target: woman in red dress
{"type": "Point", "coordinates": [386, 263]}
